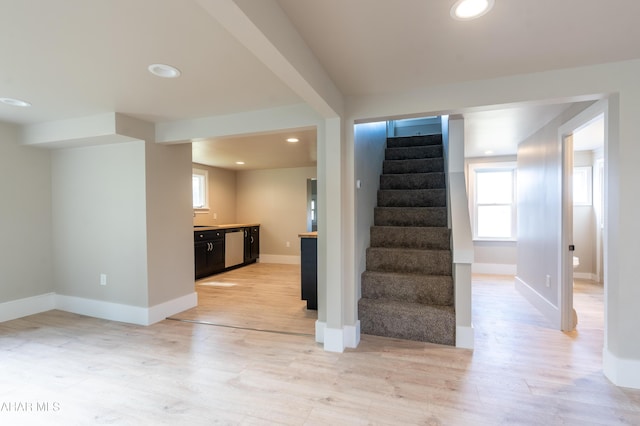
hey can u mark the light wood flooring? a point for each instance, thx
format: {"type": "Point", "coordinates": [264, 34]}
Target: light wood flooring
{"type": "Point", "coordinates": [522, 372]}
{"type": "Point", "coordinates": [259, 296]}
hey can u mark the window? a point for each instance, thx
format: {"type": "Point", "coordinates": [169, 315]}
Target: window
{"type": "Point", "coordinates": [582, 194]}
{"type": "Point", "coordinates": [199, 184]}
{"type": "Point", "coordinates": [493, 198]}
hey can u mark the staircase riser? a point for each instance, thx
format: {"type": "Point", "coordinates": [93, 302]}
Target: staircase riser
{"type": "Point", "coordinates": [426, 326]}
{"type": "Point", "coordinates": [428, 290]}
{"type": "Point", "coordinates": [410, 237]}
{"type": "Point", "coordinates": [412, 198]}
{"type": "Point", "coordinates": [408, 153]}
{"type": "Point", "coordinates": [414, 141]}
{"type": "Point", "coordinates": [429, 262]}
{"type": "Point", "coordinates": [434, 180]}
{"type": "Point", "coordinates": [426, 165]}
{"type": "Point", "coordinates": [397, 216]}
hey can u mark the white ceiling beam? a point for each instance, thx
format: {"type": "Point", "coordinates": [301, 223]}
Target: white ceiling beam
{"type": "Point", "coordinates": [265, 30]}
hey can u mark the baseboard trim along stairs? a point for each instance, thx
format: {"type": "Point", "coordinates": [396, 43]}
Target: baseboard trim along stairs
{"type": "Point", "coordinates": [407, 287]}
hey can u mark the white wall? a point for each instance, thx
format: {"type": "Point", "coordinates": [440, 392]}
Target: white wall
{"type": "Point", "coordinates": [370, 141]}
{"type": "Point", "coordinates": [99, 222]}
{"type": "Point", "coordinates": [25, 218]}
{"type": "Point", "coordinates": [540, 216]}
{"type": "Point", "coordinates": [277, 200]}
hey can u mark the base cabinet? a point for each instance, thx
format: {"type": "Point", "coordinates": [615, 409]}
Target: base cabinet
{"type": "Point", "coordinates": [208, 253]}
{"type": "Point", "coordinates": [209, 250]}
{"type": "Point", "coordinates": [251, 244]}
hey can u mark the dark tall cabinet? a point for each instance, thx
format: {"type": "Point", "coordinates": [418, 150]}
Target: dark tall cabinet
{"type": "Point", "coordinates": [309, 271]}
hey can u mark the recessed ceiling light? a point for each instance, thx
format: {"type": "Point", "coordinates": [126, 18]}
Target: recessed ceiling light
{"type": "Point", "coordinates": [293, 140]}
{"type": "Point", "coordinates": [15, 102]}
{"type": "Point", "coordinates": [164, 71]}
{"type": "Point", "coordinates": [465, 10]}
{"type": "Point", "coordinates": [489, 152]}
{"type": "Point", "coordinates": [240, 163]}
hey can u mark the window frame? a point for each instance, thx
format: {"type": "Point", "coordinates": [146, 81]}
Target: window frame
{"type": "Point", "coordinates": [498, 166]}
{"type": "Point", "coordinates": [203, 175]}
{"type": "Point", "coordinates": [587, 173]}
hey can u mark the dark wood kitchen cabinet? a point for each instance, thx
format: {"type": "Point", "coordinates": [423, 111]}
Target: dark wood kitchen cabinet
{"type": "Point", "coordinates": [251, 244]}
{"type": "Point", "coordinates": [208, 252]}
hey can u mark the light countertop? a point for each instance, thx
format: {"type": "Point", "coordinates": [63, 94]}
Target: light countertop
{"type": "Point", "coordinates": [225, 226]}
{"type": "Point", "coordinates": [308, 234]}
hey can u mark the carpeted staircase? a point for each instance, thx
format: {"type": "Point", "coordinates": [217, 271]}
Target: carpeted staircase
{"type": "Point", "coordinates": [407, 289]}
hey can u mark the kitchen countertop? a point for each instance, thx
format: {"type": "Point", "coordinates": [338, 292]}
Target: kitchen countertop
{"type": "Point", "coordinates": [308, 234]}
{"type": "Point", "coordinates": [226, 226]}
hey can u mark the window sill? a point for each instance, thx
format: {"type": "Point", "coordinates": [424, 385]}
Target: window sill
{"type": "Point", "coordinates": [495, 240]}
{"type": "Point", "coordinates": [204, 210]}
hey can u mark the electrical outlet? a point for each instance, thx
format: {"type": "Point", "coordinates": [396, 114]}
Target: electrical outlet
{"type": "Point", "coordinates": [103, 279]}
{"type": "Point", "coordinates": [288, 244]}
{"type": "Point", "coordinates": [215, 216]}
{"type": "Point", "coordinates": [548, 281]}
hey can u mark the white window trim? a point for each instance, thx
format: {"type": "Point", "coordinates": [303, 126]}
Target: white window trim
{"type": "Point", "coordinates": [205, 174]}
{"type": "Point", "coordinates": [473, 207]}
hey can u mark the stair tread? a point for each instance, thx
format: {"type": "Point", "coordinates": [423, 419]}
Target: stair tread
{"type": "Point", "coordinates": [416, 250]}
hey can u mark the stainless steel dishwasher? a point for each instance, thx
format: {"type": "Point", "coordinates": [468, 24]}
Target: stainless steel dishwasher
{"type": "Point", "coordinates": [233, 247]}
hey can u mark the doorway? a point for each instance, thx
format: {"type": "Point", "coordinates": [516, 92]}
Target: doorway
{"type": "Point", "coordinates": [583, 182]}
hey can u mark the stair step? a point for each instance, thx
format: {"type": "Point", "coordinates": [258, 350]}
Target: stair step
{"type": "Point", "coordinates": [422, 165]}
{"type": "Point", "coordinates": [412, 198]}
{"type": "Point", "coordinates": [435, 238]}
{"type": "Point", "coordinates": [412, 321]}
{"type": "Point", "coordinates": [425, 289]}
{"type": "Point", "coordinates": [413, 152]}
{"type": "Point", "coordinates": [409, 261]}
{"type": "Point", "coordinates": [404, 141]}
{"type": "Point", "coordinates": [410, 216]}
{"type": "Point", "coordinates": [434, 180]}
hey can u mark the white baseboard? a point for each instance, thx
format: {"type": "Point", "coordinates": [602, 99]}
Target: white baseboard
{"type": "Point", "coordinates": [585, 276]}
{"type": "Point", "coordinates": [279, 258]}
{"type": "Point", "coordinates": [334, 339]}
{"type": "Point", "coordinates": [465, 337]}
{"type": "Point", "coordinates": [622, 372]}
{"type": "Point", "coordinates": [28, 306]}
{"type": "Point", "coordinates": [320, 326]}
{"type": "Point", "coordinates": [494, 268]}
{"type": "Point", "coordinates": [352, 335]}
{"type": "Point", "coordinates": [101, 309]}
{"type": "Point", "coordinates": [172, 307]}
{"type": "Point", "coordinates": [337, 339]}
{"type": "Point", "coordinates": [125, 313]}
{"type": "Point", "coordinates": [550, 311]}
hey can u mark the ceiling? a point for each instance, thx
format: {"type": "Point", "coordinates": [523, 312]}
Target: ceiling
{"type": "Point", "coordinates": [263, 151]}
{"type": "Point", "coordinates": [73, 58]}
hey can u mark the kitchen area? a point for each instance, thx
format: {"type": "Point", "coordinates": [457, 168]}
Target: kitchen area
{"type": "Point", "coordinates": [247, 252]}
{"type": "Point", "coordinates": [220, 248]}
